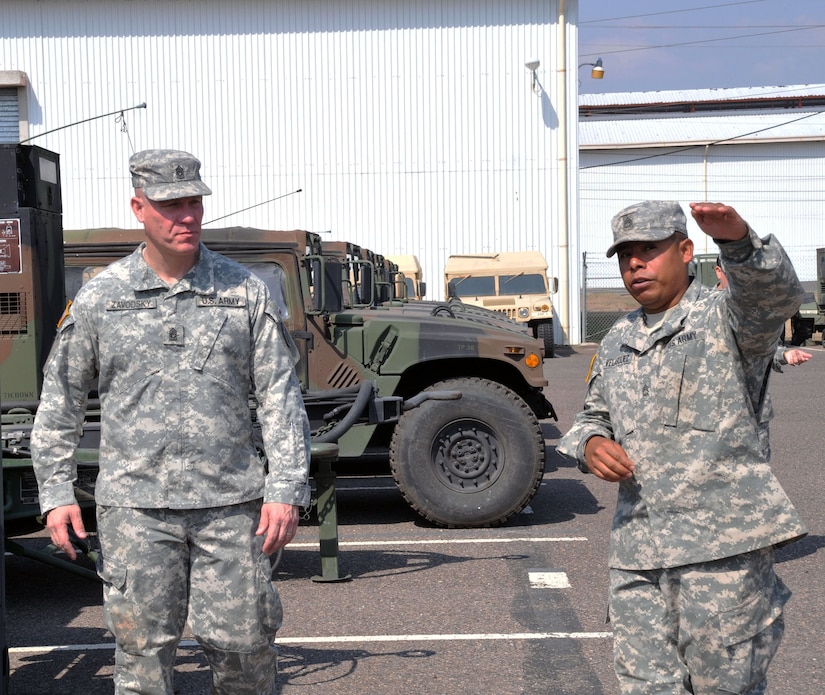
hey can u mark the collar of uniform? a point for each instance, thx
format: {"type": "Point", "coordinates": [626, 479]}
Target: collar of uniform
{"type": "Point", "coordinates": [200, 279]}
{"type": "Point", "coordinates": [637, 337]}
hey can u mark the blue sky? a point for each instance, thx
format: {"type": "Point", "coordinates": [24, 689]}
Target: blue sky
{"type": "Point", "coordinates": [650, 45]}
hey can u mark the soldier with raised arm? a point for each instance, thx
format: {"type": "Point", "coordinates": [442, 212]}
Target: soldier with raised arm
{"type": "Point", "coordinates": [674, 408]}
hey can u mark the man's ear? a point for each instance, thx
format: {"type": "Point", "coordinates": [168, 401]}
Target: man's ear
{"type": "Point", "coordinates": [686, 249]}
{"type": "Point", "coordinates": [137, 208]}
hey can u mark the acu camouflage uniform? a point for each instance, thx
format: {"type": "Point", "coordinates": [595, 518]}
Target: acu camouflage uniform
{"type": "Point", "coordinates": [180, 479]}
{"type": "Point", "coordinates": [687, 403]}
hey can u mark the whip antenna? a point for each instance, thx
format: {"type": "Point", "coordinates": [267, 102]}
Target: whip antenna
{"type": "Point", "coordinates": [271, 200]}
{"type": "Point", "coordinates": [86, 120]}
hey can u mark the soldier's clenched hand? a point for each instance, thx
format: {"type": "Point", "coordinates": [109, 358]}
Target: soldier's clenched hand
{"type": "Point", "coordinates": [607, 460]}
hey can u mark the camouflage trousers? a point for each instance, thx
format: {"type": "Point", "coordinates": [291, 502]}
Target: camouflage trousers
{"type": "Point", "coordinates": [160, 567]}
{"type": "Point", "coordinates": [707, 629]}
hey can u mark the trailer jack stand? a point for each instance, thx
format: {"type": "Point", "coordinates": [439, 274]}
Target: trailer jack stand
{"type": "Point", "coordinates": [324, 455]}
{"type": "Point", "coordinates": [49, 557]}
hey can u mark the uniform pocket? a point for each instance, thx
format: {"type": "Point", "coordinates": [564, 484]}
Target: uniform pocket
{"type": "Point", "coordinates": [270, 609]}
{"type": "Point", "coordinates": [111, 574]}
{"type": "Point", "coordinates": [750, 634]}
{"type": "Point", "coordinates": [118, 609]}
{"type": "Point", "coordinates": [684, 399]}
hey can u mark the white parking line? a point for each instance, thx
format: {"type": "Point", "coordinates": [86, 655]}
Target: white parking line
{"type": "Point", "coordinates": [473, 637]}
{"type": "Point", "coordinates": [548, 579]}
{"type": "Point", "coordinates": [450, 541]}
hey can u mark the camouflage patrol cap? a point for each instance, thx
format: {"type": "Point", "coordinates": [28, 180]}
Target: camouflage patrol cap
{"type": "Point", "coordinates": [650, 220]}
{"type": "Point", "coordinates": [167, 174]}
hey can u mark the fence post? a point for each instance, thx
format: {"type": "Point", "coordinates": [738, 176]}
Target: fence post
{"type": "Point", "coordinates": [584, 297]}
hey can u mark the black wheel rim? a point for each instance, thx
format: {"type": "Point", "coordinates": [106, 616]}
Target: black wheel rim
{"type": "Point", "coordinates": [467, 456]}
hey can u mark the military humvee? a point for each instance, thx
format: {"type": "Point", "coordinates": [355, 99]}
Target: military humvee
{"type": "Point", "coordinates": [809, 322]}
{"type": "Point", "coordinates": [452, 401]}
{"type": "Point", "coordinates": [410, 275]}
{"type": "Point", "coordinates": [513, 283]}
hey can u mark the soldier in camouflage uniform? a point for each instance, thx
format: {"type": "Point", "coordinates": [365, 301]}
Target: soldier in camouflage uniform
{"type": "Point", "coordinates": [673, 413]}
{"type": "Point", "coordinates": [176, 338]}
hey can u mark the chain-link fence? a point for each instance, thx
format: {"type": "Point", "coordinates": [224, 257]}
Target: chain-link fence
{"type": "Point", "coordinates": [604, 298]}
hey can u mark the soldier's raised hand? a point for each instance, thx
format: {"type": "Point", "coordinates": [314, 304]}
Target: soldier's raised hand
{"type": "Point", "coordinates": [720, 222]}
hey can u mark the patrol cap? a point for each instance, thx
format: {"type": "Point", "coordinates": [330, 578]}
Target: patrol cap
{"type": "Point", "coordinates": [651, 220]}
{"type": "Point", "coordinates": [167, 174]}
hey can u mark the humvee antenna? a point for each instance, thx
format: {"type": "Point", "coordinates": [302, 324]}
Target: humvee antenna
{"type": "Point", "coordinates": [271, 200]}
{"type": "Point", "coordinates": [86, 120]}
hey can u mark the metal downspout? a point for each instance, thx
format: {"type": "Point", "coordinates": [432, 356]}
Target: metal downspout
{"type": "Point", "coordinates": [563, 217]}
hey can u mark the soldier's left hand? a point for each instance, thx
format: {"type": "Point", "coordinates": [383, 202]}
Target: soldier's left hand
{"type": "Point", "coordinates": [795, 357]}
{"type": "Point", "coordinates": [279, 522]}
{"type": "Point", "coordinates": [720, 222]}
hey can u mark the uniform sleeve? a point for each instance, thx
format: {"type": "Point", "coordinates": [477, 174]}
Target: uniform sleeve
{"type": "Point", "coordinates": [779, 360]}
{"type": "Point", "coordinates": [281, 413]}
{"type": "Point", "coordinates": [592, 421]}
{"type": "Point", "coordinates": [764, 291]}
{"type": "Point", "coordinates": [68, 375]}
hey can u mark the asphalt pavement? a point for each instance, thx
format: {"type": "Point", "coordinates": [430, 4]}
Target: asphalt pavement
{"type": "Point", "coordinates": [507, 611]}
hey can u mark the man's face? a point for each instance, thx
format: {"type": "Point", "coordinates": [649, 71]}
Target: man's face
{"type": "Point", "coordinates": [655, 272]}
{"type": "Point", "coordinates": [172, 227]}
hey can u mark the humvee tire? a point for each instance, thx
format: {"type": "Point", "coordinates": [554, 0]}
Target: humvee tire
{"type": "Point", "coordinates": [544, 332]}
{"type": "Point", "coordinates": [471, 462]}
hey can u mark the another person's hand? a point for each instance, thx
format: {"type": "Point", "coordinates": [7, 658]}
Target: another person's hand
{"type": "Point", "coordinates": [795, 356]}
{"type": "Point", "coordinates": [58, 521]}
{"type": "Point", "coordinates": [279, 522]}
{"type": "Point", "coordinates": [607, 460]}
{"type": "Point", "coordinates": [720, 222]}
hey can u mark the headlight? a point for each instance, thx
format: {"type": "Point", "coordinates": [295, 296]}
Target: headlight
{"type": "Point", "coordinates": [523, 313]}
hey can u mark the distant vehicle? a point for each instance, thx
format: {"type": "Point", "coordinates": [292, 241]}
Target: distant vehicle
{"type": "Point", "coordinates": [411, 276]}
{"type": "Point", "coordinates": [514, 283]}
{"type": "Point", "coordinates": [809, 322]}
{"type": "Point", "coordinates": [806, 323]}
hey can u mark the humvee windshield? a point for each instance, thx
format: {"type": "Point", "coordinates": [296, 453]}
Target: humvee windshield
{"type": "Point", "coordinates": [522, 284]}
{"type": "Point", "coordinates": [476, 286]}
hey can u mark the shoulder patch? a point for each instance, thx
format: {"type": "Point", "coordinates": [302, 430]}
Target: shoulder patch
{"type": "Point", "coordinates": [65, 314]}
{"type": "Point", "coordinates": [590, 368]}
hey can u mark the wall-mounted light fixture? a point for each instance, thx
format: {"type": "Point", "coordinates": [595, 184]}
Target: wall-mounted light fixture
{"type": "Point", "coordinates": [532, 66]}
{"type": "Point", "coordinates": [597, 73]}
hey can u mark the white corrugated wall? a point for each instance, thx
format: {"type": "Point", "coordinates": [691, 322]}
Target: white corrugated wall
{"type": "Point", "coordinates": [776, 186]}
{"type": "Point", "coordinates": [410, 126]}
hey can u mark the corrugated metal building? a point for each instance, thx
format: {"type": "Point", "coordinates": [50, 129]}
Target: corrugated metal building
{"type": "Point", "coordinates": [411, 127]}
{"type": "Point", "coordinates": [759, 149]}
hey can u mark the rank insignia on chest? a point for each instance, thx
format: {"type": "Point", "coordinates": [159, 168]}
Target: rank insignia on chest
{"type": "Point", "coordinates": [173, 335]}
